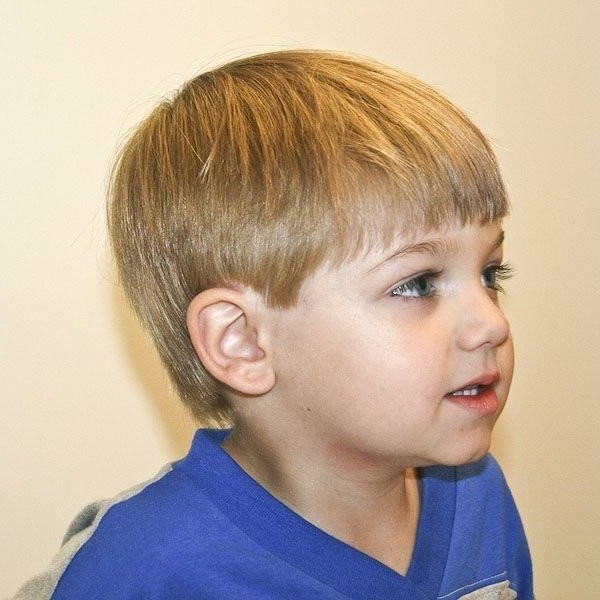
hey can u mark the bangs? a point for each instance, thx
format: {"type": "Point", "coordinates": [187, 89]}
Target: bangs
{"type": "Point", "coordinates": [411, 195]}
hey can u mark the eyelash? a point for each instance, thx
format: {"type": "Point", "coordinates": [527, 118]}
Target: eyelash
{"type": "Point", "coordinates": [421, 286]}
{"type": "Point", "coordinates": [501, 272]}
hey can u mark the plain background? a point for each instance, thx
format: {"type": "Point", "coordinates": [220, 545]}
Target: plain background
{"type": "Point", "coordinates": [86, 410]}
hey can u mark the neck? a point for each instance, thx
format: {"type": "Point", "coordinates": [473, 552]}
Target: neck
{"type": "Point", "coordinates": [372, 507]}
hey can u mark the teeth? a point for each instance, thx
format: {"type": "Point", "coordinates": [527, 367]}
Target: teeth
{"type": "Point", "coordinates": [468, 392]}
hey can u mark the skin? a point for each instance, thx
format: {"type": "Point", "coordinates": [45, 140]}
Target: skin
{"type": "Point", "coordinates": [363, 371]}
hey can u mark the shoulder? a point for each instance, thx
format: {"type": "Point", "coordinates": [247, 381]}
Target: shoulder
{"type": "Point", "coordinates": [470, 482]}
{"type": "Point", "coordinates": [484, 477]}
{"type": "Point", "coordinates": [143, 539]}
{"type": "Point", "coordinates": [90, 524]}
{"type": "Point", "coordinates": [134, 541]}
{"type": "Point", "coordinates": [488, 538]}
{"type": "Point", "coordinates": [486, 469]}
{"type": "Point", "coordinates": [482, 495]}
{"type": "Point", "coordinates": [111, 542]}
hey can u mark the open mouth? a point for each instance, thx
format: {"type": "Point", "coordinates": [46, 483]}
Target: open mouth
{"type": "Point", "coordinates": [473, 390]}
{"type": "Point", "coordinates": [479, 398]}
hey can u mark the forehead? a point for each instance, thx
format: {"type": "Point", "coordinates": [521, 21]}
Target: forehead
{"type": "Point", "coordinates": [449, 240]}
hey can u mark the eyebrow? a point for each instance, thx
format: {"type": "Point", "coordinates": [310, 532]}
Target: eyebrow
{"type": "Point", "coordinates": [434, 246]}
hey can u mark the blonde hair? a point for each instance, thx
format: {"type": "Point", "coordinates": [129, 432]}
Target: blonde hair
{"type": "Point", "coordinates": [257, 172]}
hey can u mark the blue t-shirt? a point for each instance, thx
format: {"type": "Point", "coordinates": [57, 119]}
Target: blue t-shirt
{"type": "Point", "coordinates": [204, 529]}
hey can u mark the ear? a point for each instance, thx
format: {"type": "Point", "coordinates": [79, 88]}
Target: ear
{"type": "Point", "coordinates": [224, 327]}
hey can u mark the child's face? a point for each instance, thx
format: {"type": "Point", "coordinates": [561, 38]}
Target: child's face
{"type": "Point", "coordinates": [400, 355]}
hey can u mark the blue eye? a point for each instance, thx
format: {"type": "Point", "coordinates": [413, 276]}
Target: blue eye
{"type": "Point", "coordinates": [418, 287]}
{"type": "Point", "coordinates": [493, 274]}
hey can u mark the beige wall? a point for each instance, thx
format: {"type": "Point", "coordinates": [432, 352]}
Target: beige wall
{"type": "Point", "coordinates": [85, 409]}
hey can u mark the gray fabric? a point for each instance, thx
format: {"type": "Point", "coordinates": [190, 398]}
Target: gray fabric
{"type": "Point", "coordinates": [498, 591]}
{"type": "Point", "coordinates": [42, 586]}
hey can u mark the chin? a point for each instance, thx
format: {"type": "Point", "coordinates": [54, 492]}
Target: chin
{"type": "Point", "coordinates": [468, 453]}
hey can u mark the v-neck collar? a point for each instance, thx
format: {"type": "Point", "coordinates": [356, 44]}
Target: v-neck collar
{"type": "Point", "coordinates": [275, 527]}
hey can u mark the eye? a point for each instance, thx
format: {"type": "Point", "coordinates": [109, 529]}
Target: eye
{"type": "Point", "coordinates": [493, 274]}
{"type": "Point", "coordinates": [417, 287]}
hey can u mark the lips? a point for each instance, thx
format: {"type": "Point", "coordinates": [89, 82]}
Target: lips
{"type": "Point", "coordinates": [477, 396]}
{"type": "Point", "coordinates": [477, 385]}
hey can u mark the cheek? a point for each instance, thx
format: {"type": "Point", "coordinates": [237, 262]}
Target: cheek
{"type": "Point", "coordinates": [313, 352]}
{"type": "Point", "coordinates": [346, 358]}
{"type": "Point", "coordinates": [506, 362]}
{"type": "Point", "coordinates": [510, 351]}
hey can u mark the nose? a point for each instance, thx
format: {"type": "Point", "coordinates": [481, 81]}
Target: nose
{"type": "Point", "coordinates": [481, 321]}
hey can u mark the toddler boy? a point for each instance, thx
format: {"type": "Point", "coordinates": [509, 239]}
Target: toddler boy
{"type": "Point", "coordinates": [314, 242]}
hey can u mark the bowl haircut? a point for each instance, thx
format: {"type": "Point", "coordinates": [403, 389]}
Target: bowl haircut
{"type": "Point", "coordinates": [257, 172]}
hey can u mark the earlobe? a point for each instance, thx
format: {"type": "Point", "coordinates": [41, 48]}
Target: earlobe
{"type": "Point", "coordinates": [223, 327]}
